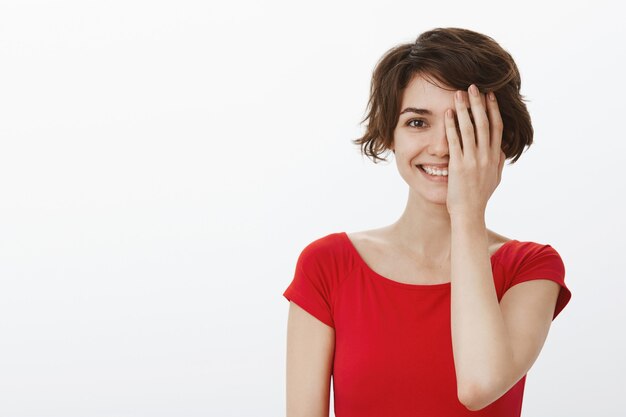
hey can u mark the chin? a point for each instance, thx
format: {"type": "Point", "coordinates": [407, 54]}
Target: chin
{"type": "Point", "coordinates": [434, 196]}
{"type": "Point", "coordinates": [432, 192]}
{"type": "Point", "coordinates": [439, 201]}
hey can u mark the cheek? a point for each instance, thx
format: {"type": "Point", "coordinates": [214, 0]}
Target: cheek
{"type": "Point", "coordinates": [410, 145]}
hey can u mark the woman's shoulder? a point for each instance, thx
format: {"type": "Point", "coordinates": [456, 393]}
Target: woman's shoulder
{"type": "Point", "coordinates": [519, 250]}
{"type": "Point", "coordinates": [497, 241]}
{"type": "Point", "coordinates": [330, 247]}
{"type": "Point", "coordinates": [327, 259]}
{"type": "Point", "coordinates": [325, 243]}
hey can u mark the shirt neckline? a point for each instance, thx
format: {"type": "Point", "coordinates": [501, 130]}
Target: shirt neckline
{"type": "Point", "coordinates": [370, 271]}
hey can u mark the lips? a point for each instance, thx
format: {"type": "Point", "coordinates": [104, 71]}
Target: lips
{"type": "Point", "coordinates": [444, 168]}
{"type": "Point", "coordinates": [434, 178]}
{"type": "Point", "coordinates": [436, 165]}
{"type": "Point", "coordinates": [432, 167]}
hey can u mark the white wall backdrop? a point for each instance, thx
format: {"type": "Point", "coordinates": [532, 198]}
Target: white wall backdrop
{"type": "Point", "coordinates": [163, 163]}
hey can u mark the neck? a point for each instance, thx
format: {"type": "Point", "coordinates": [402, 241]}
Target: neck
{"type": "Point", "coordinates": [424, 229]}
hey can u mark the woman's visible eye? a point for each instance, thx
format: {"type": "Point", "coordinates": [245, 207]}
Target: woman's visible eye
{"type": "Point", "coordinates": [415, 120]}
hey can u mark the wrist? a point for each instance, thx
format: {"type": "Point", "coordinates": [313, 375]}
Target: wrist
{"type": "Point", "coordinates": [468, 219]}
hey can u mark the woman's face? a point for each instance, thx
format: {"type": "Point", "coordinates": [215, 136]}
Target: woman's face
{"type": "Point", "coordinates": [420, 137]}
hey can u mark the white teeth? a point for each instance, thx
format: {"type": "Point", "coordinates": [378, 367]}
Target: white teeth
{"type": "Point", "coordinates": [437, 172]}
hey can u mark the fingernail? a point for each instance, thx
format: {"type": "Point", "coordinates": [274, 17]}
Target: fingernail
{"type": "Point", "coordinates": [459, 95]}
{"type": "Point", "coordinates": [492, 96]}
{"type": "Point", "coordinates": [473, 90]}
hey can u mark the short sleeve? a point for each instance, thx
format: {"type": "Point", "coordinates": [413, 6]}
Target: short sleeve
{"type": "Point", "coordinates": [543, 262]}
{"type": "Point", "coordinates": [310, 287]}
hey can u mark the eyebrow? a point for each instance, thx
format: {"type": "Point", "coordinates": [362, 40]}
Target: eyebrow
{"type": "Point", "coordinates": [418, 111]}
{"type": "Point", "coordinates": [427, 112]}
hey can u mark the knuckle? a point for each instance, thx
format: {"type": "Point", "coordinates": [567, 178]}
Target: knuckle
{"type": "Point", "coordinates": [497, 128]}
{"type": "Point", "coordinates": [468, 134]}
{"type": "Point", "coordinates": [482, 122]}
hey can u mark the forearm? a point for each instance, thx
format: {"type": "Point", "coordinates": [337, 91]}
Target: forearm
{"type": "Point", "coordinates": [480, 342]}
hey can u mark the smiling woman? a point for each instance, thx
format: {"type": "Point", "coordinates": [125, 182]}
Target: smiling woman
{"type": "Point", "coordinates": [433, 315]}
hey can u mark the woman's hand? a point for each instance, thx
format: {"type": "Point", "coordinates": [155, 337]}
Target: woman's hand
{"type": "Point", "coordinates": [475, 171]}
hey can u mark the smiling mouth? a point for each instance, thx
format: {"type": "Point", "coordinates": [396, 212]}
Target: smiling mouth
{"type": "Point", "coordinates": [421, 168]}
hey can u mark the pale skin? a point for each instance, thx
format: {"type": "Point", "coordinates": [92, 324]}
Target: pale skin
{"type": "Point", "coordinates": [441, 237]}
{"type": "Point", "coordinates": [494, 345]}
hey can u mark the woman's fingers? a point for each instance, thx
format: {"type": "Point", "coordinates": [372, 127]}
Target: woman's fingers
{"type": "Point", "coordinates": [465, 125]}
{"type": "Point", "coordinates": [481, 123]}
{"type": "Point", "coordinates": [480, 138]}
{"type": "Point", "coordinates": [495, 125]}
{"type": "Point", "coordinates": [454, 142]}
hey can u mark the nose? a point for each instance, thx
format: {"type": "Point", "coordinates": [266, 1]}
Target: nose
{"type": "Point", "coordinates": [438, 146]}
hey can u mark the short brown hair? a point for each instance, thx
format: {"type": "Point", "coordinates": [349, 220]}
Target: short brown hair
{"type": "Point", "coordinates": [456, 57]}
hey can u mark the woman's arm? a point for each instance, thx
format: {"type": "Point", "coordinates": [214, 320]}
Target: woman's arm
{"type": "Point", "coordinates": [494, 344]}
{"type": "Point", "coordinates": [480, 343]}
{"type": "Point", "coordinates": [310, 352]}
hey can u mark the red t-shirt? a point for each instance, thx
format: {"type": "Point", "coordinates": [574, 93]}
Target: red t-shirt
{"type": "Point", "coordinates": [393, 342]}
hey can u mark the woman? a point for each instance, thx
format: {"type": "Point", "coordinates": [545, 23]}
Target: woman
{"type": "Point", "coordinates": [425, 317]}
